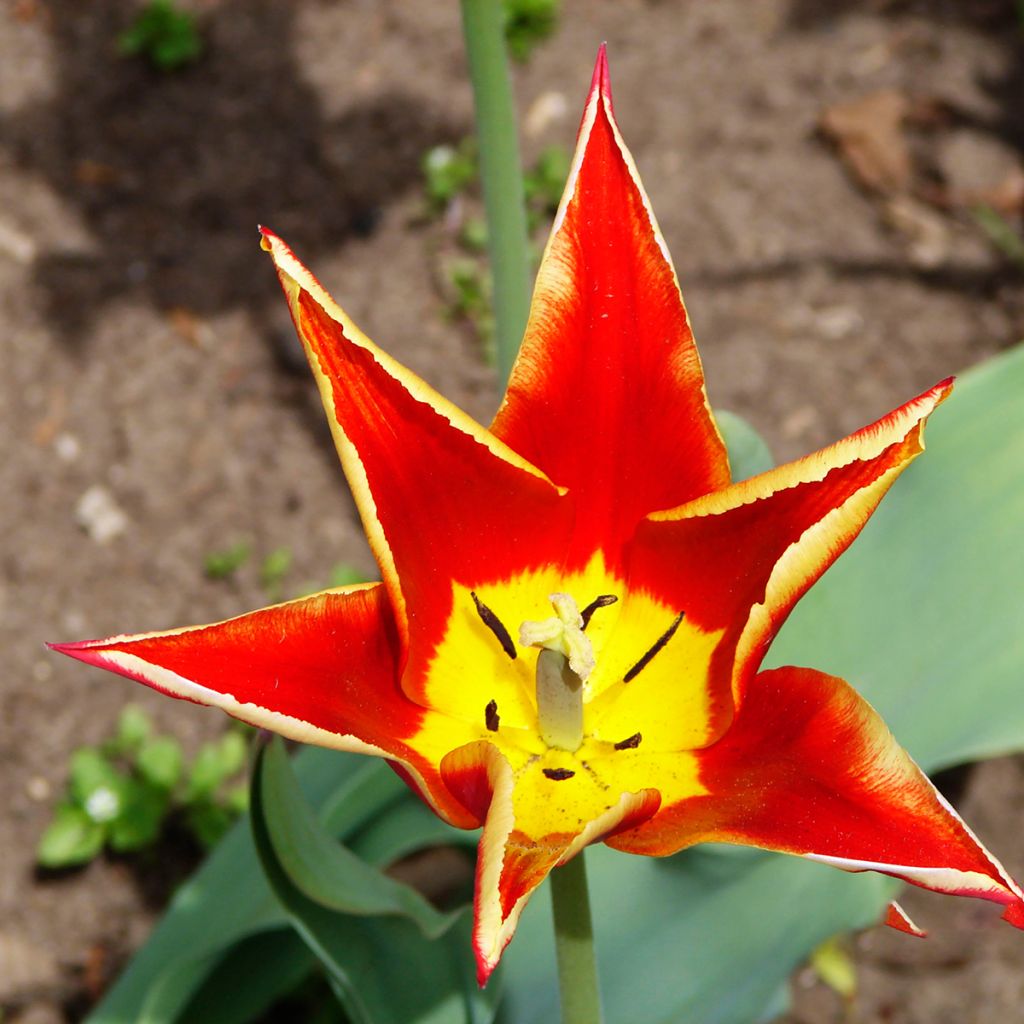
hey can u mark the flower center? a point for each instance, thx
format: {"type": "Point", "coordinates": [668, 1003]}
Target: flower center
{"type": "Point", "coordinates": [565, 660]}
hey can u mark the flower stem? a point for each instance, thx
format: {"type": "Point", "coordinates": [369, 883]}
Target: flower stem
{"type": "Point", "coordinates": [574, 944]}
{"type": "Point", "coordinates": [501, 173]}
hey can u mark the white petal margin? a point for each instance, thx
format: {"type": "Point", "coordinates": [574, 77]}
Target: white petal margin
{"type": "Point", "coordinates": [897, 918]}
{"type": "Point", "coordinates": [940, 879]}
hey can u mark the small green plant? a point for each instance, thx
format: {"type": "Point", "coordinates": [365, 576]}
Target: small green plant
{"type": "Point", "coordinates": [220, 565]}
{"type": "Point", "coordinates": [273, 571]}
{"type": "Point", "coordinates": [469, 286]}
{"type": "Point", "coordinates": [1000, 233]}
{"type": "Point", "coordinates": [345, 575]}
{"type": "Point", "coordinates": [543, 184]}
{"type": "Point", "coordinates": [527, 23]}
{"type": "Point", "coordinates": [448, 171]}
{"type": "Point", "coordinates": [121, 794]}
{"type": "Point", "coordinates": [163, 35]}
{"type": "Point", "coordinates": [452, 173]}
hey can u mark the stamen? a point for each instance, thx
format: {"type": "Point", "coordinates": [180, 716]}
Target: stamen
{"type": "Point", "coordinates": [658, 644]}
{"type": "Point", "coordinates": [599, 602]}
{"type": "Point", "coordinates": [558, 774]}
{"type": "Point", "coordinates": [495, 625]}
{"type": "Point", "coordinates": [630, 743]}
{"type": "Point", "coordinates": [491, 716]}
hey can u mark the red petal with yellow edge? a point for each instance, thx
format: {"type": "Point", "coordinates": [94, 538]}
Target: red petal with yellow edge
{"type": "Point", "coordinates": [321, 669]}
{"type": "Point", "coordinates": [750, 551]}
{"type": "Point", "coordinates": [441, 499]}
{"type": "Point", "coordinates": [810, 768]}
{"type": "Point", "coordinates": [607, 395]}
{"type": "Point", "coordinates": [532, 823]}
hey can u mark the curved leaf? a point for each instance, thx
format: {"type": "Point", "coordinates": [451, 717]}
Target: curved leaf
{"type": "Point", "coordinates": [316, 864]}
{"type": "Point", "coordinates": [363, 954]}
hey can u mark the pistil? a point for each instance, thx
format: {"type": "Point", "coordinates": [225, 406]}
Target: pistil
{"type": "Point", "coordinates": [565, 660]}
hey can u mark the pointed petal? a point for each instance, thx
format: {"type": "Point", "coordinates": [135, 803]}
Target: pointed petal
{"type": "Point", "coordinates": [533, 822]}
{"type": "Point", "coordinates": [321, 670]}
{"type": "Point", "coordinates": [751, 551]}
{"type": "Point", "coordinates": [809, 768]}
{"type": "Point", "coordinates": [896, 917]}
{"type": "Point", "coordinates": [442, 500]}
{"type": "Point", "coordinates": [607, 395]}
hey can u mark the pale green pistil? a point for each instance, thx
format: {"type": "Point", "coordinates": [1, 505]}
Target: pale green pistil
{"type": "Point", "coordinates": [565, 660]}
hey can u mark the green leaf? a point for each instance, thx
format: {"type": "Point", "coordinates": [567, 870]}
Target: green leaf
{"type": "Point", "coordinates": [133, 729]}
{"type": "Point", "coordinates": [345, 575]}
{"type": "Point", "coordinates": [140, 819]}
{"type": "Point", "coordinates": [232, 750]}
{"type": "Point", "coordinates": [249, 977]}
{"type": "Point", "coordinates": [359, 953]}
{"type": "Point", "coordinates": [71, 838]}
{"type": "Point", "coordinates": [206, 774]}
{"type": "Point", "coordinates": [208, 822]}
{"type": "Point", "coordinates": [408, 826]}
{"type": "Point", "coordinates": [167, 37]}
{"type": "Point", "coordinates": [748, 452]}
{"type": "Point", "coordinates": [528, 22]}
{"type": "Point", "coordinates": [159, 762]}
{"type": "Point", "coordinates": [97, 786]}
{"type": "Point", "coordinates": [323, 870]}
{"type": "Point", "coordinates": [228, 898]}
{"type": "Point", "coordinates": [448, 171]}
{"type": "Point", "coordinates": [219, 565]}
{"type": "Point", "coordinates": [89, 771]}
{"type": "Point", "coordinates": [274, 569]}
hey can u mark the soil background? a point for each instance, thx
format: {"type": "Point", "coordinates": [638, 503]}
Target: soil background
{"type": "Point", "coordinates": [145, 353]}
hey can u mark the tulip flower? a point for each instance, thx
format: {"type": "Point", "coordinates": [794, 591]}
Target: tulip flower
{"type": "Point", "coordinates": [565, 645]}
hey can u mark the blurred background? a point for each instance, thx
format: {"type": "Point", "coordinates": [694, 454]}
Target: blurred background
{"type": "Point", "coordinates": [841, 187]}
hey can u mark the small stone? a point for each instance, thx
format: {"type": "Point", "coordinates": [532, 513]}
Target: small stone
{"type": "Point", "coordinates": [67, 447]}
{"type": "Point", "coordinates": [39, 789]}
{"type": "Point", "coordinates": [100, 515]}
{"type": "Point", "coordinates": [547, 109]}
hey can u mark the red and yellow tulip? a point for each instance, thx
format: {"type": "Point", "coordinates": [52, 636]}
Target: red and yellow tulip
{"type": "Point", "coordinates": [565, 647]}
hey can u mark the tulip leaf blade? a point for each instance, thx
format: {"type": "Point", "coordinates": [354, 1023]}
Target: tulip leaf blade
{"type": "Point", "coordinates": [437, 983]}
{"type": "Point", "coordinates": [749, 453]}
{"type": "Point", "coordinates": [325, 871]}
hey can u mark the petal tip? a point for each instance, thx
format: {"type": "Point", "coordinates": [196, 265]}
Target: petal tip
{"type": "Point", "coordinates": [484, 969]}
{"type": "Point", "coordinates": [601, 82]}
{"type": "Point", "coordinates": [1014, 914]}
{"type": "Point", "coordinates": [897, 918]}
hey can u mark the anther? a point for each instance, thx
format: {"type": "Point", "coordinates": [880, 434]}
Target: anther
{"type": "Point", "coordinates": [491, 716]}
{"type": "Point", "coordinates": [599, 602]}
{"type": "Point", "coordinates": [658, 644]}
{"type": "Point", "coordinates": [495, 625]}
{"type": "Point", "coordinates": [558, 774]}
{"type": "Point", "coordinates": [630, 743]}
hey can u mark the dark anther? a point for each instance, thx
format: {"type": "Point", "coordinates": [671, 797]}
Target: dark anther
{"type": "Point", "coordinates": [495, 625]}
{"type": "Point", "coordinates": [630, 743]}
{"type": "Point", "coordinates": [658, 644]}
{"type": "Point", "coordinates": [491, 716]}
{"type": "Point", "coordinates": [599, 602]}
{"type": "Point", "coordinates": [558, 774]}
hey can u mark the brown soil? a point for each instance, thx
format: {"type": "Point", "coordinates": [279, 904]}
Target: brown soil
{"type": "Point", "coordinates": [145, 353]}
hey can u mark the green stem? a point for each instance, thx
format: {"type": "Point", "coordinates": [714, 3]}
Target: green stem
{"type": "Point", "coordinates": [483, 24]}
{"type": "Point", "coordinates": [574, 944]}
